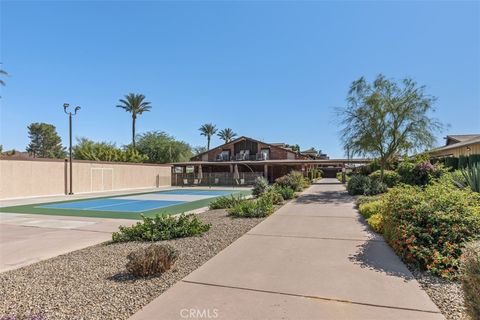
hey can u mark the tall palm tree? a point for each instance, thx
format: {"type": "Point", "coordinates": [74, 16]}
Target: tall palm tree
{"type": "Point", "coordinates": [208, 130]}
{"type": "Point", "coordinates": [2, 73]}
{"type": "Point", "coordinates": [136, 105]}
{"type": "Point", "coordinates": [227, 135]}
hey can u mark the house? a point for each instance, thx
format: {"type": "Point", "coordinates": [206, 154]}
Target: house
{"type": "Point", "coordinates": [244, 159]}
{"type": "Point", "coordinates": [458, 145]}
{"type": "Point", "coordinates": [314, 154]}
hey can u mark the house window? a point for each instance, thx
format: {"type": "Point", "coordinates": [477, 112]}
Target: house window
{"type": "Point", "coordinates": [225, 155]}
{"type": "Point", "coordinates": [178, 169]}
{"type": "Point", "coordinates": [265, 154]}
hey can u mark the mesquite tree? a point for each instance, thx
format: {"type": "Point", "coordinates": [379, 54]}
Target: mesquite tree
{"type": "Point", "coordinates": [385, 119]}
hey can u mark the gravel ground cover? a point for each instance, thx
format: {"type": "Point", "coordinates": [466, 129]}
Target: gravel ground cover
{"type": "Point", "coordinates": [447, 295]}
{"type": "Point", "coordinates": [92, 283]}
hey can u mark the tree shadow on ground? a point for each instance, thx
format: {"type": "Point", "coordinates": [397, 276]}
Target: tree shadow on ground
{"type": "Point", "coordinates": [326, 197]}
{"type": "Point", "coordinates": [375, 254]}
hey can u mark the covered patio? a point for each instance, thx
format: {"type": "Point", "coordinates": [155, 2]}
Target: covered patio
{"type": "Point", "coordinates": [211, 173]}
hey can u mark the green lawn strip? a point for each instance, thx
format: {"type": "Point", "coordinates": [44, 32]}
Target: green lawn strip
{"type": "Point", "coordinates": [179, 208]}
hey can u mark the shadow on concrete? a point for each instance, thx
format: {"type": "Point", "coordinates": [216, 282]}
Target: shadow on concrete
{"type": "Point", "coordinates": [375, 254]}
{"type": "Point", "coordinates": [327, 183]}
{"type": "Point", "coordinates": [326, 197]}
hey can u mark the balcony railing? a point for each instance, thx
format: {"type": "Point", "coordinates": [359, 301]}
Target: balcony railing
{"type": "Point", "coordinates": [243, 157]}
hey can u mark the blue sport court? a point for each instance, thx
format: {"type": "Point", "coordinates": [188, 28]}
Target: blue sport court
{"type": "Point", "coordinates": [140, 203]}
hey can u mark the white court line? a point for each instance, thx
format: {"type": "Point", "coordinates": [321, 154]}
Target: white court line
{"type": "Point", "coordinates": [149, 209]}
{"type": "Point", "coordinates": [109, 205]}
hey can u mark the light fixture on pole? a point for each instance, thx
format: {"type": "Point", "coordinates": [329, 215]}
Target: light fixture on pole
{"type": "Point", "coordinates": [70, 114]}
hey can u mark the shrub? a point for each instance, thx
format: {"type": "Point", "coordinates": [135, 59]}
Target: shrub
{"type": "Point", "coordinates": [358, 185]}
{"type": "Point", "coordinates": [306, 183]}
{"type": "Point", "coordinates": [258, 208]}
{"type": "Point", "coordinates": [314, 174]}
{"type": "Point", "coordinates": [420, 173]}
{"type": "Point", "coordinates": [226, 202]}
{"type": "Point", "coordinates": [428, 227]}
{"type": "Point", "coordinates": [274, 195]}
{"type": "Point", "coordinates": [347, 176]}
{"type": "Point", "coordinates": [260, 186]}
{"type": "Point", "coordinates": [457, 177]}
{"type": "Point", "coordinates": [370, 208]}
{"type": "Point", "coordinates": [470, 267]}
{"type": "Point", "coordinates": [376, 222]}
{"type": "Point", "coordinates": [161, 227]}
{"type": "Point", "coordinates": [390, 178]}
{"type": "Point", "coordinates": [366, 199]}
{"type": "Point", "coordinates": [150, 261]}
{"type": "Point", "coordinates": [471, 175]}
{"type": "Point", "coordinates": [287, 193]}
{"type": "Point", "coordinates": [293, 180]}
{"type": "Point", "coordinates": [376, 187]}
{"type": "Point", "coordinates": [339, 176]}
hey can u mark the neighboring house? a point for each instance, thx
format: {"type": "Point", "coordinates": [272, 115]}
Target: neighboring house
{"type": "Point", "coordinates": [458, 145]}
{"type": "Point", "coordinates": [314, 154]}
{"type": "Point", "coordinates": [244, 159]}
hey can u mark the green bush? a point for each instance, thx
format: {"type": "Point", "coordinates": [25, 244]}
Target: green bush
{"type": "Point", "coordinates": [429, 226]}
{"type": "Point", "coordinates": [363, 185]}
{"type": "Point", "coordinates": [226, 202]}
{"type": "Point", "coordinates": [339, 176]}
{"type": "Point", "coordinates": [276, 196]}
{"type": "Point", "coordinates": [376, 222]}
{"type": "Point", "coordinates": [260, 186]}
{"type": "Point", "coordinates": [366, 199]}
{"type": "Point", "coordinates": [451, 162]}
{"type": "Point", "coordinates": [161, 227]}
{"type": "Point", "coordinates": [470, 268]}
{"type": "Point", "coordinates": [287, 193]}
{"type": "Point", "coordinates": [314, 174]}
{"type": "Point", "coordinates": [293, 180]}
{"type": "Point", "coordinates": [306, 183]}
{"type": "Point", "coordinates": [347, 176]}
{"type": "Point", "coordinates": [390, 178]}
{"type": "Point", "coordinates": [358, 185]}
{"type": "Point", "coordinates": [370, 208]}
{"type": "Point", "coordinates": [258, 208]}
{"type": "Point", "coordinates": [419, 172]}
{"type": "Point", "coordinates": [376, 187]}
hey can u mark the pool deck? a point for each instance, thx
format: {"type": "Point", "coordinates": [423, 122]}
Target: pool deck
{"type": "Point", "coordinates": [30, 238]}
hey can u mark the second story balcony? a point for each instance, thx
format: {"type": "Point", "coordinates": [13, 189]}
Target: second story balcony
{"type": "Point", "coordinates": [243, 156]}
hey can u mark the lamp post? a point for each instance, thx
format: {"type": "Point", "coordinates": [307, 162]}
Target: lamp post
{"type": "Point", "coordinates": [70, 114]}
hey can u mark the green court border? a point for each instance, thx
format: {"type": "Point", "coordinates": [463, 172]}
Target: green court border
{"type": "Point", "coordinates": [175, 209]}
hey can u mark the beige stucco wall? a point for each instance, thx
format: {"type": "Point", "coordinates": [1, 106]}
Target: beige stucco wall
{"type": "Point", "coordinates": [27, 178]}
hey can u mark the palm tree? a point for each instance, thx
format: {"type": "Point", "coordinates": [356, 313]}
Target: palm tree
{"type": "Point", "coordinates": [208, 130]}
{"type": "Point", "coordinates": [227, 135]}
{"type": "Point", "coordinates": [3, 73]}
{"type": "Point", "coordinates": [136, 105]}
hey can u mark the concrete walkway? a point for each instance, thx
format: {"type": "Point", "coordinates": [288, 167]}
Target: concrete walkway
{"type": "Point", "coordinates": [30, 238]}
{"type": "Point", "coordinates": [313, 259]}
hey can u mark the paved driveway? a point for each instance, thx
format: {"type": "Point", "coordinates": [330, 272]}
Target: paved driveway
{"type": "Point", "coordinates": [312, 259]}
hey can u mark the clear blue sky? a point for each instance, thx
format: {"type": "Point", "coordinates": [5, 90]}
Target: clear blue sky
{"type": "Point", "coordinates": [270, 70]}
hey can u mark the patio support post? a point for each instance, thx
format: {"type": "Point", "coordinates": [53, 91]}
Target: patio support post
{"type": "Point", "coordinates": [265, 171]}
{"type": "Point", "coordinates": [344, 174]}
